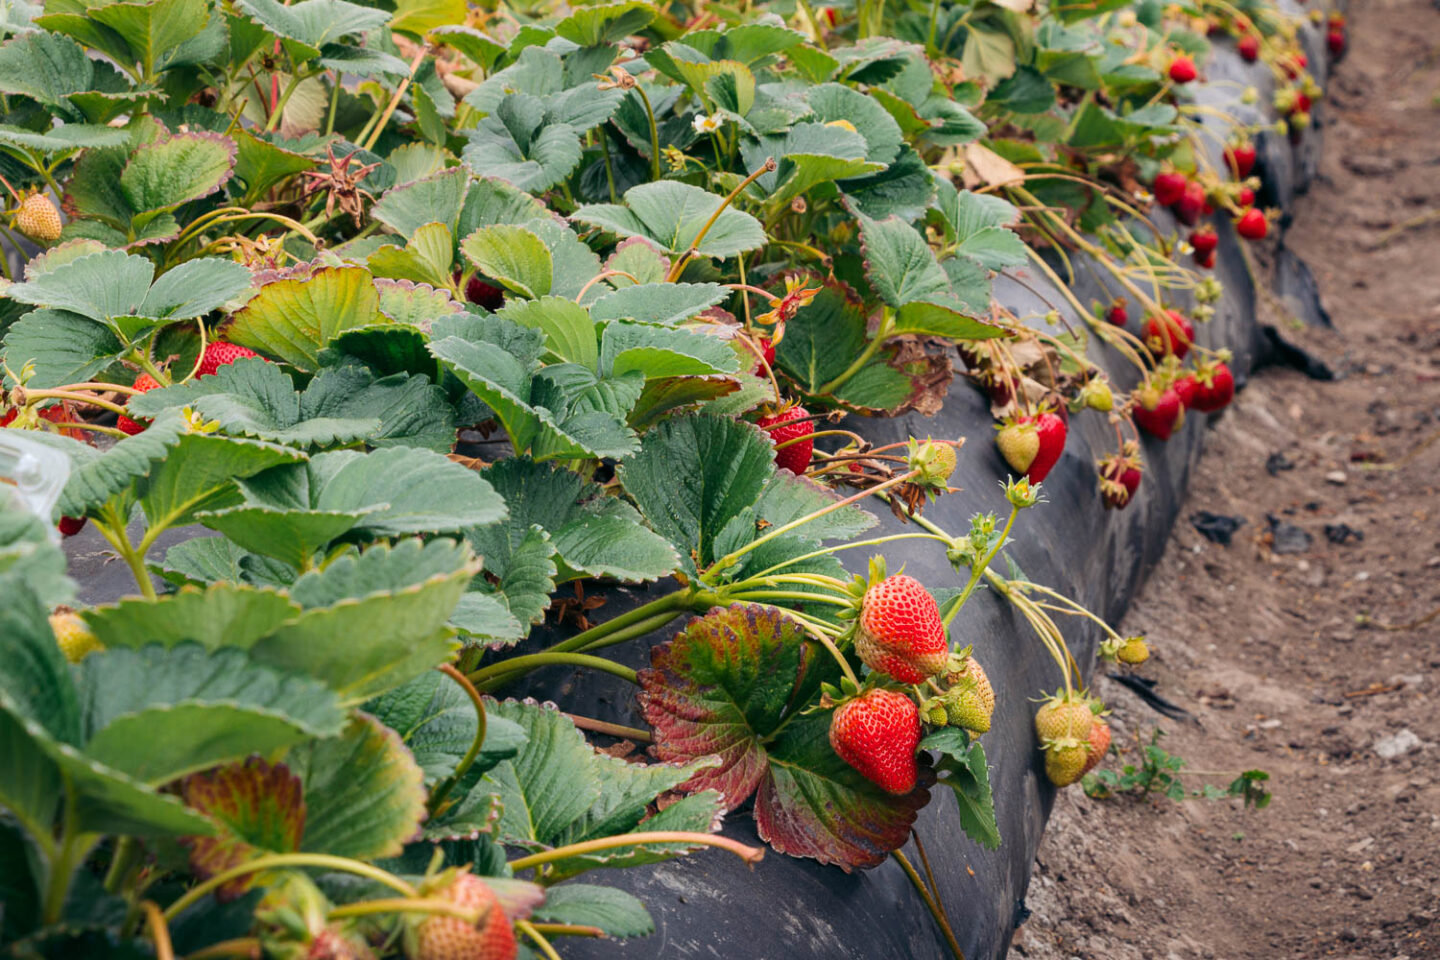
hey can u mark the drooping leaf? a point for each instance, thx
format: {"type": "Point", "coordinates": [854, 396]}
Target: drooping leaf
{"type": "Point", "coordinates": [512, 255]}
{"type": "Point", "coordinates": [963, 768]}
{"type": "Point", "coordinates": [295, 318]}
{"type": "Point", "coordinates": [218, 616]}
{"type": "Point", "coordinates": [163, 174]}
{"type": "Point", "coordinates": [663, 303]}
{"type": "Point", "coordinates": [364, 792]}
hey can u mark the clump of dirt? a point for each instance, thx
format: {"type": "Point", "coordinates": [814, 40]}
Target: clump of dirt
{"type": "Point", "coordinates": [1315, 658]}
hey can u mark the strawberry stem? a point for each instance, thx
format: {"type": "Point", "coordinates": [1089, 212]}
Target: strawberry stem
{"type": "Point", "coordinates": [751, 855]}
{"type": "Point", "coordinates": [437, 796]}
{"type": "Point", "coordinates": [680, 264]}
{"type": "Point", "coordinates": [940, 919]}
{"type": "Point", "coordinates": [366, 908]}
{"type": "Point", "coordinates": [280, 860]}
{"type": "Point", "coordinates": [489, 677]}
{"type": "Point", "coordinates": [159, 931]}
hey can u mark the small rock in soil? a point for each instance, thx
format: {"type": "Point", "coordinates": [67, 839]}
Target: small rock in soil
{"type": "Point", "coordinates": [1397, 744]}
{"type": "Point", "coordinates": [1277, 462]}
{"type": "Point", "coordinates": [1342, 533]}
{"type": "Point", "coordinates": [1286, 537]}
{"type": "Point", "coordinates": [1215, 527]}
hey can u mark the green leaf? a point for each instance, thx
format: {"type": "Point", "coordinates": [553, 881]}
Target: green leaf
{"type": "Point", "coordinates": [693, 475]}
{"type": "Point", "coordinates": [520, 144]}
{"type": "Point", "coordinates": [416, 305]}
{"type": "Point", "coordinates": [672, 214]}
{"type": "Point", "coordinates": [62, 347]}
{"type": "Point", "coordinates": [310, 24]}
{"type": "Point", "coordinates": [261, 162]}
{"type": "Point", "coordinates": [834, 101]}
{"type": "Point", "coordinates": [437, 722]}
{"type": "Point", "coordinates": [99, 286]}
{"type": "Point", "coordinates": [36, 681]}
{"type": "Point", "coordinates": [569, 332]}
{"type": "Point", "coordinates": [157, 713]}
{"type": "Point", "coordinates": [512, 255]}
{"type": "Point", "coordinates": [71, 136]}
{"type": "Point", "coordinates": [153, 30]}
{"type": "Point", "coordinates": [290, 536]}
{"type": "Point", "coordinates": [364, 792]}
{"type": "Point", "coordinates": [903, 189]}
{"type": "Point", "coordinates": [44, 66]}
{"type": "Point", "coordinates": [403, 491]}
{"type": "Point", "coordinates": [1025, 91]}
{"type": "Point", "coordinates": [386, 627]}
{"type": "Point", "coordinates": [950, 320]}
{"type": "Point", "coordinates": [591, 26]}
{"type": "Point", "coordinates": [95, 478]}
{"type": "Point", "coordinates": [487, 620]}
{"type": "Point", "coordinates": [662, 303]}
{"type": "Point", "coordinates": [435, 199]}
{"type": "Point", "coordinates": [823, 339]}
{"type": "Point", "coordinates": [200, 475]}
{"type": "Point", "coordinates": [419, 17]}
{"type": "Point", "coordinates": [616, 912]}
{"type": "Point", "coordinates": [551, 781]}
{"type": "Point", "coordinates": [294, 318]}
{"type": "Point", "coordinates": [963, 768]}
{"type": "Point", "coordinates": [219, 616]}
{"type": "Point", "coordinates": [899, 263]}
{"type": "Point", "coordinates": [194, 288]}
{"type": "Point", "coordinates": [593, 534]}
{"type": "Point", "coordinates": [26, 552]}
{"type": "Point", "coordinates": [18, 888]}
{"type": "Point", "coordinates": [163, 174]}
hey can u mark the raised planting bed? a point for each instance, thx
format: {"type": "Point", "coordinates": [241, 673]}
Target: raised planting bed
{"type": "Point", "coordinates": [543, 477]}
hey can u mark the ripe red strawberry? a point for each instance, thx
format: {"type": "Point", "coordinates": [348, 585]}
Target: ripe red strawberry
{"type": "Point", "coordinates": [220, 353]}
{"type": "Point", "coordinates": [1240, 158]}
{"type": "Point", "coordinates": [1295, 64]}
{"type": "Point", "coordinates": [877, 733]}
{"type": "Point", "coordinates": [1302, 103]}
{"type": "Point", "coordinates": [1204, 239]}
{"type": "Point", "coordinates": [1249, 47]}
{"type": "Point", "coordinates": [1099, 745]}
{"type": "Point", "coordinates": [69, 526]}
{"type": "Point", "coordinates": [1032, 444]}
{"type": "Point", "coordinates": [1214, 388]}
{"type": "Point", "coordinates": [899, 631]}
{"type": "Point", "coordinates": [1335, 42]}
{"type": "Point", "coordinates": [1245, 198]}
{"type": "Point", "coordinates": [788, 424]}
{"type": "Point", "coordinates": [1171, 334]}
{"type": "Point", "coordinates": [144, 383]}
{"type": "Point", "coordinates": [1182, 69]}
{"type": "Point", "coordinates": [483, 294]}
{"type": "Point", "coordinates": [1252, 225]}
{"type": "Point", "coordinates": [1117, 314]}
{"type": "Point", "coordinates": [1169, 187]}
{"type": "Point", "coordinates": [1185, 388]}
{"type": "Point", "coordinates": [1191, 204]}
{"type": "Point", "coordinates": [440, 937]}
{"type": "Point", "coordinates": [1120, 477]}
{"type": "Point", "coordinates": [1158, 412]}
{"type": "Point", "coordinates": [1206, 262]}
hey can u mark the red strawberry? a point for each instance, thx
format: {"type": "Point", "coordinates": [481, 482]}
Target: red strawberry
{"type": "Point", "coordinates": [220, 353]}
{"type": "Point", "coordinates": [877, 733]}
{"type": "Point", "coordinates": [1249, 47]}
{"type": "Point", "coordinates": [1099, 745]}
{"type": "Point", "coordinates": [1032, 444]}
{"type": "Point", "coordinates": [1214, 388]}
{"type": "Point", "coordinates": [899, 631]}
{"type": "Point", "coordinates": [1171, 334]}
{"type": "Point", "coordinates": [1252, 225]}
{"type": "Point", "coordinates": [1191, 204]}
{"type": "Point", "coordinates": [1169, 187]}
{"type": "Point", "coordinates": [788, 424]}
{"type": "Point", "coordinates": [1158, 412]}
{"type": "Point", "coordinates": [1185, 388]}
{"type": "Point", "coordinates": [483, 294]}
{"type": "Point", "coordinates": [144, 383]}
{"type": "Point", "coordinates": [1117, 314]}
{"type": "Point", "coordinates": [69, 526]}
{"type": "Point", "coordinates": [1204, 240]}
{"type": "Point", "coordinates": [1302, 103]}
{"type": "Point", "coordinates": [1206, 262]}
{"type": "Point", "coordinates": [1182, 69]}
{"type": "Point", "coordinates": [1240, 158]}
{"type": "Point", "coordinates": [1245, 198]}
{"type": "Point", "coordinates": [1296, 64]}
{"type": "Point", "coordinates": [440, 937]}
{"type": "Point", "coordinates": [1120, 477]}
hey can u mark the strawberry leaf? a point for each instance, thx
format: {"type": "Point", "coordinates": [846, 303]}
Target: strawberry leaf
{"type": "Point", "coordinates": [221, 615]}
{"type": "Point", "coordinates": [722, 687]}
{"type": "Point", "coordinates": [295, 317]}
{"type": "Point", "coordinates": [364, 792]}
{"type": "Point", "coordinates": [257, 807]}
{"type": "Point", "coordinates": [672, 214]}
{"type": "Point", "coordinates": [963, 768]}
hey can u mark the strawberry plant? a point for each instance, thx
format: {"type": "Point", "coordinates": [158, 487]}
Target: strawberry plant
{"type": "Point", "coordinates": [415, 321]}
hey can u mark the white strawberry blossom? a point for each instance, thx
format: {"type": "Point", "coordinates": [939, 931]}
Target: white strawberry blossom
{"type": "Point", "coordinates": [710, 124]}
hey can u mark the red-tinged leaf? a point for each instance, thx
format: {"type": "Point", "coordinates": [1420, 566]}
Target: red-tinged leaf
{"type": "Point", "coordinates": [813, 804]}
{"type": "Point", "coordinates": [726, 682]}
{"type": "Point", "coordinates": [258, 808]}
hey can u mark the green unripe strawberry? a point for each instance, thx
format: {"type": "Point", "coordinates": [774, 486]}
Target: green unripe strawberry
{"type": "Point", "coordinates": [1065, 761]}
{"type": "Point", "coordinates": [74, 636]}
{"type": "Point", "coordinates": [1134, 650]}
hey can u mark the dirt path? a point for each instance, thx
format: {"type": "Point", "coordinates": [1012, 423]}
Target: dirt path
{"type": "Point", "coordinates": [1271, 650]}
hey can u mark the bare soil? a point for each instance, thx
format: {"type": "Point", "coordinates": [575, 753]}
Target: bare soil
{"type": "Point", "coordinates": [1319, 665]}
